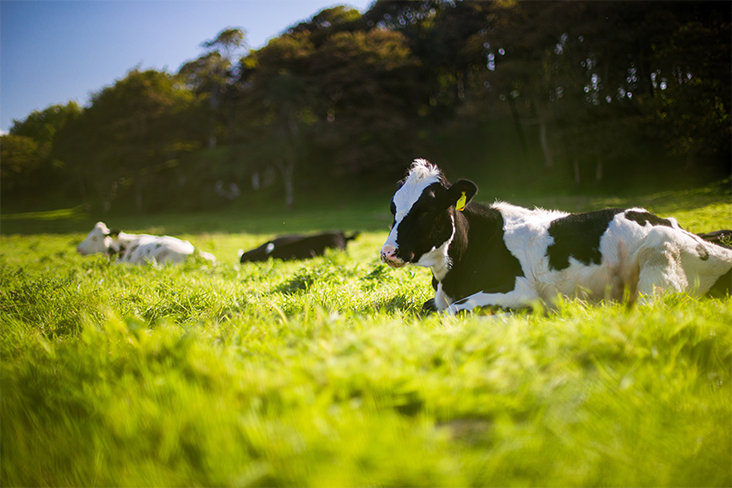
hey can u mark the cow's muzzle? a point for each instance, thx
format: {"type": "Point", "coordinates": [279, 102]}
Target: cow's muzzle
{"type": "Point", "coordinates": [389, 256]}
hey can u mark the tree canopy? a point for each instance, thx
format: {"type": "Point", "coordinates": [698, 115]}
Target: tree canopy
{"type": "Point", "coordinates": [577, 92]}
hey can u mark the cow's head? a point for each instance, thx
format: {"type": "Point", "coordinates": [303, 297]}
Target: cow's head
{"type": "Point", "coordinates": [99, 240]}
{"type": "Point", "coordinates": [424, 215]}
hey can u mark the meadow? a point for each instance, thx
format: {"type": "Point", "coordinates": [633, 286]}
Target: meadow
{"type": "Point", "coordinates": [327, 373]}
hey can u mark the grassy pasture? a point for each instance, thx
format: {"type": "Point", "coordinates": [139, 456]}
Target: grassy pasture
{"type": "Point", "coordinates": [326, 373]}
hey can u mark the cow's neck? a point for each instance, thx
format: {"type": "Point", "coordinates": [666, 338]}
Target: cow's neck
{"type": "Point", "coordinates": [459, 241]}
{"type": "Point", "coordinates": [438, 258]}
{"type": "Point", "coordinates": [121, 242]}
{"type": "Point", "coordinates": [442, 259]}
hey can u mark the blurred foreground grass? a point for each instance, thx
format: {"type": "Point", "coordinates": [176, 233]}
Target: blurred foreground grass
{"type": "Point", "coordinates": [325, 373]}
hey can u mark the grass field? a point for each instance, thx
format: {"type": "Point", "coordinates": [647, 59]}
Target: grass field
{"type": "Point", "coordinates": [326, 373]}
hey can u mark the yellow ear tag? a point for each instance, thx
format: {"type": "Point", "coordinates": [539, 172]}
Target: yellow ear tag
{"type": "Point", "coordinates": [460, 205]}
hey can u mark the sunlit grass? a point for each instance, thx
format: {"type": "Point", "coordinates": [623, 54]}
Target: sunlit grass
{"type": "Point", "coordinates": [326, 373]}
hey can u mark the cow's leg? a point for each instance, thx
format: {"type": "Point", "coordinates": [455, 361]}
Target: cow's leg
{"type": "Point", "coordinates": [522, 296]}
{"type": "Point", "coordinates": [480, 299]}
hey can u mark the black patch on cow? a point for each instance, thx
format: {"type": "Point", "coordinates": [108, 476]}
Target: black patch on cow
{"type": "Point", "coordinates": [481, 260]}
{"type": "Point", "coordinates": [643, 218]}
{"type": "Point", "coordinates": [157, 246]}
{"type": "Point", "coordinates": [722, 287]}
{"type": "Point", "coordinates": [578, 236]}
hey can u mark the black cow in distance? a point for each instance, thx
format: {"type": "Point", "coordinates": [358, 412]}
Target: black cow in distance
{"type": "Point", "coordinates": [295, 246]}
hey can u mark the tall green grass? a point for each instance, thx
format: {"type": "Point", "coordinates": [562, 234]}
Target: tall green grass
{"type": "Point", "coordinates": [326, 373]}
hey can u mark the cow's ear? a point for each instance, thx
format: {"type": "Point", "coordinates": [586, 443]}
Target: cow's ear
{"type": "Point", "coordinates": [113, 233]}
{"type": "Point", "coordinates": [461, 193]}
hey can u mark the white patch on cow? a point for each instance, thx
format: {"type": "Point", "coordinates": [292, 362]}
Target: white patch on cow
{"type": "Point", "coordinates": [270, 247]}
{"type": "Point", "coordinates": [442, 301]}
{"type": "Point", "coordinates": [421, 175]}
{"type": "Point", "coordinates": [160, 249]}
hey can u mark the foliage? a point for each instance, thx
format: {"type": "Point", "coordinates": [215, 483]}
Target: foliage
{"type": "Point", "coordinates": [28, 162]}
{"type": "Point", "coordinates": [22, 157]}
{"type": "Point", "coordinates": [131, 132]}
{"type": "Point", "coordinates": [325, 372]}
{"type": "Point", "coordinates": [42, 126]}
{"type": "Point", "coordinates": [213, 74]}
{"type": "Point", "coordinates": [563, 92]}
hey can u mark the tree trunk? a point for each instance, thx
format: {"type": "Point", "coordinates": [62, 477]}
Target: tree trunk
{"type": "Point", "coordinates": [541, 115]}
{"type": "Point", "coordinates": [548, 158]}
{"type": "Point", "coordinates": [230, 120]}
{"type": "Point", "coordinates": [289, 191]}
{"type": "Point", "coordinates": [598, 170]}
{"type": "Point", "coordinates": [214, 104]}
{"type": "Point", "coordinates": [82, 189]}
{"type": "Point", "coordinates": [287, 170]}
{"type": "Point", "coordinates": [138, 195]}
{"type": "Point", "coordinates": [689, 161]}
{"type": "Point", "coordinates": [517, 123]}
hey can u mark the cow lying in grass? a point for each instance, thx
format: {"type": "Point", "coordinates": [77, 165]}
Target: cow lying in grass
{"type": "Point", "coordinates": [137, 248]}
{"type": "Point", "coordinates": [511, 257]}
{"type": "Point", "coordinates": [297, 247]}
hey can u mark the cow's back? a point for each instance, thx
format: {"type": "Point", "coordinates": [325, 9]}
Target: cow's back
{"type": "Point", "coordinates": [160, 249]}
{"type": "Point", "coordinates": [589, 254]}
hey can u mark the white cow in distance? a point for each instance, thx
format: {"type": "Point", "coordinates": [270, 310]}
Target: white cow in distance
{"type": "Point", "coordinates": [137, 248]}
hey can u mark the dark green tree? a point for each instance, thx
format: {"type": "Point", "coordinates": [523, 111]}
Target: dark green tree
{"type": "Point", "coordinates": [35, 168]}
{"type": "Point", "coordinates": [215, 74]}
{"type": "Point", "coordinates": [21, 157]}
{"type": "Point", "coordinates": [131, 131]}
{"type": "Point", "coordinates": [42, 126]}
{"type": "Point", "coordinates": [691, 86]}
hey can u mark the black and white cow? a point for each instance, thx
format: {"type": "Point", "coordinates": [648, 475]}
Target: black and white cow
{"type": "Point", "coordinates": [511, 257]}
{"type": "Point", "coordinates": [297, 246]}
{"type": "Point", "coordinates": [137, 248]}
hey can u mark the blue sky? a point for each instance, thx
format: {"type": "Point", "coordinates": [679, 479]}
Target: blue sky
{"type": "Point", "coordinates": [53, 51]}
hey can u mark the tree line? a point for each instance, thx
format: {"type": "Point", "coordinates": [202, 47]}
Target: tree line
{"type": "Point", "coordinates": [577, 93]}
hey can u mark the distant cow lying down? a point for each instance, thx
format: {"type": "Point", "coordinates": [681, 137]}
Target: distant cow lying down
{"type": "Point", "coordinates": [297, 246]}
{"type": "Point", "coordinates": [137, 248]}
{"type": "Point", "coordinates": [720, 237]}
{"type": "Point", "coordinates": [510, 257]}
